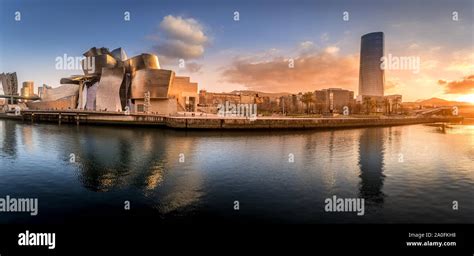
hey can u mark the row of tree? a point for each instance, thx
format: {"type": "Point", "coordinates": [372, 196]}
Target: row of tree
{"type": "Point", "coordinates": [307, 103]}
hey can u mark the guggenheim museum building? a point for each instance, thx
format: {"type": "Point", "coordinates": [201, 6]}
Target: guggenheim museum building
{"type": "Point", "coordinates": [118, 83]}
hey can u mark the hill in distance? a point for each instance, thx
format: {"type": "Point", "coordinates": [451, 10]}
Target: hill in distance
{"type": "Point", "coordinates": [439, 102]}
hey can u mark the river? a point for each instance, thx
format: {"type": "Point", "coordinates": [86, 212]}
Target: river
{"type": "Point", "coordinates": [406, 174]}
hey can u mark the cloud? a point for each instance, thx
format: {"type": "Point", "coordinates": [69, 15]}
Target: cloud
{"type": "Point", "coordinates": [392, 84]}
{"type": "Point", "coordinates": [193, 67]}
{"type": "Point", "coordinates": [325, 37]}
{"type": "Point", "coordinates": [464, 86]}
{"type": "Point", "coordinates": [332, 49]}
{"type": "Point", "coordinates": [320, 69]}
{"type": "Point", "coordinates": [306, 47]}
{"type": "Point", "coordinates": [462, 62]}
{"type": "Point", "coordinates": [180, 38]}
{"type": "Point", "coordinates": [176, 49]}
{"type": "Point", "coordinates": [186, 30]}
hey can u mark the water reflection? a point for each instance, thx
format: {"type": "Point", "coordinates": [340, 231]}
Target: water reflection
{"type": "Point", "coordinates": [371, 163]}
{"type": "Point", "coordinates": [142, 165]}
{"type": "Point", "coordinates": [111, 159]}
{"type": "Point", "coordinates": [9, 137]}
{"type": "Point", "coordinates": [155, 177]}
{"type": "Point", "coordinates": [107, 159]}
{"type": "Point", "coordinates": [331, 146]}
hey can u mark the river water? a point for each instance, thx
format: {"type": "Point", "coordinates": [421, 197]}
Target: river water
{"type": "Point", "coordinates": [406, 174]}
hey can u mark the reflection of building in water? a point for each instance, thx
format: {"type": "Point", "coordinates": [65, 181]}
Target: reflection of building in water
{"type": "Point", "coordinates": [143, 160]}
{"type": "Point", "coordinates": [9, 137]}
{"type": "Point", "coordinates": [393, 141]}
{"type": "Point", "coordinates": [155, 177]}
{"type": "Point", "coordinates": [27, 138]}
{"type": "Point", "coordinates": [331, 146]}
{"type": "Point", "coordinates": [109, 169]}
{"type": "Point", "coordinates": [371, 162]}
{"type": "Point", "coordinates": [113, 159]}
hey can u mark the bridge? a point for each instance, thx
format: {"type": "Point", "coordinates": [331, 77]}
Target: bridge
{"type": "Point", "coordinates": [431, 111]}
{"type": "Point", "coordinates": [17, 97]}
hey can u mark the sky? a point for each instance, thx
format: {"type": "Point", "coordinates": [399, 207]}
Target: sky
{"type": "Point", "coordinates": [273, 46]}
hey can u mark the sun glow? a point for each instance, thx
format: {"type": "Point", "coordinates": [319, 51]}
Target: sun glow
{"type": "Point", "coordinates": [466, 98]}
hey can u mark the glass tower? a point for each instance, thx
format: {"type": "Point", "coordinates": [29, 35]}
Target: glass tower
{"type": "Point", "coordinates": [371, 75]}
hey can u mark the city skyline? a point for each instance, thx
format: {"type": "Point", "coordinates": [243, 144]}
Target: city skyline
{"type": "Point", "coordinates": [223, 54]}
{"type": "Point", "coordinates": [124, 116]}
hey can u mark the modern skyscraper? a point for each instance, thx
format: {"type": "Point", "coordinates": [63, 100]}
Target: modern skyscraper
{"type": "Point", "coordinates": [371, 75]}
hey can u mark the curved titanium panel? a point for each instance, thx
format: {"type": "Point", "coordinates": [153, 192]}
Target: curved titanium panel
{"type": "Point", "coordinates": [91, 93]}
{"type": "Point", "coordinates": [82, 95]}
{"type": "Point", "coordinates": [65, 90]}
{"type": "Point", "coordinates": [94, 51]}
{"type": "Point", "coordinates": [108, 93]}
{"type": "Point", "coordinates": [9, 83]}
{"type": "Point", "coordinates": [63, 103]}
{"type": "Point", "coordinates": [156, 81]}
{"type": "Point", "coordinates": [93, 65]}
{"type": "Point", "coordinates": [119, 54]}
{"type": "Point", "coordinates": [68, 81]}
{"type": "Point", "coordinates": [142, 61]}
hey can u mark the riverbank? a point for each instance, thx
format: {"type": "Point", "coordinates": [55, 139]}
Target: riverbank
{"type": "Point", "coordinates": [214, 122]}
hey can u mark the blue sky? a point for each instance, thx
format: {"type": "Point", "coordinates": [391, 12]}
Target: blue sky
{"type": "Point", "coordinates": [266, 32]}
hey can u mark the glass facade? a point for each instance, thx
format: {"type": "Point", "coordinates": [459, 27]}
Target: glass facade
{"type": "Point", "coordinates": [371, 75]}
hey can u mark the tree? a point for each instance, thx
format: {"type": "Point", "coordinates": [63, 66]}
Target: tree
{"type": "Point", "coordinates": [367, 102]}
{"type": "Point", "coordinates": [307, 99]}
{"type": "Point", "coordinates": [396, 104]}
{"type": "Point", "coordinates": [387, 106]}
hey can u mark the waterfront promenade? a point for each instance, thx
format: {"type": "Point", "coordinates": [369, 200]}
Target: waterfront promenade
{"type": "Point", "coordinates": [217, 122]}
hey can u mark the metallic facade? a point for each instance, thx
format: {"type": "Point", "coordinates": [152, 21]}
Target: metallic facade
{"type": "Point", "coordinates": [371, 75]}
{"type": "Point", "coordinates": [98, 62]}
{"type": "Point", "coordinates": [63, 91]}
{"type": "Point", "coordinates": [119, 54]}
{"type": "Point", "coordinates": [108, 92]}
{"type": "Point", "coordinates": [142, 61]}
{"type": "Point", "coordinates": [91, 96]}
{"type": "Point", "coordinates": [28, 89]}
{"type": "Point", "coordinates": [94, 51]}
{"type": "Point", "coordinates": [60, 104]}
{"type": "Point", "coordinates": [155, 81]}
{"type": "Point", "coordinates": [116, 83]}
{"type": "Point", "coordinates": [9, 83]}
